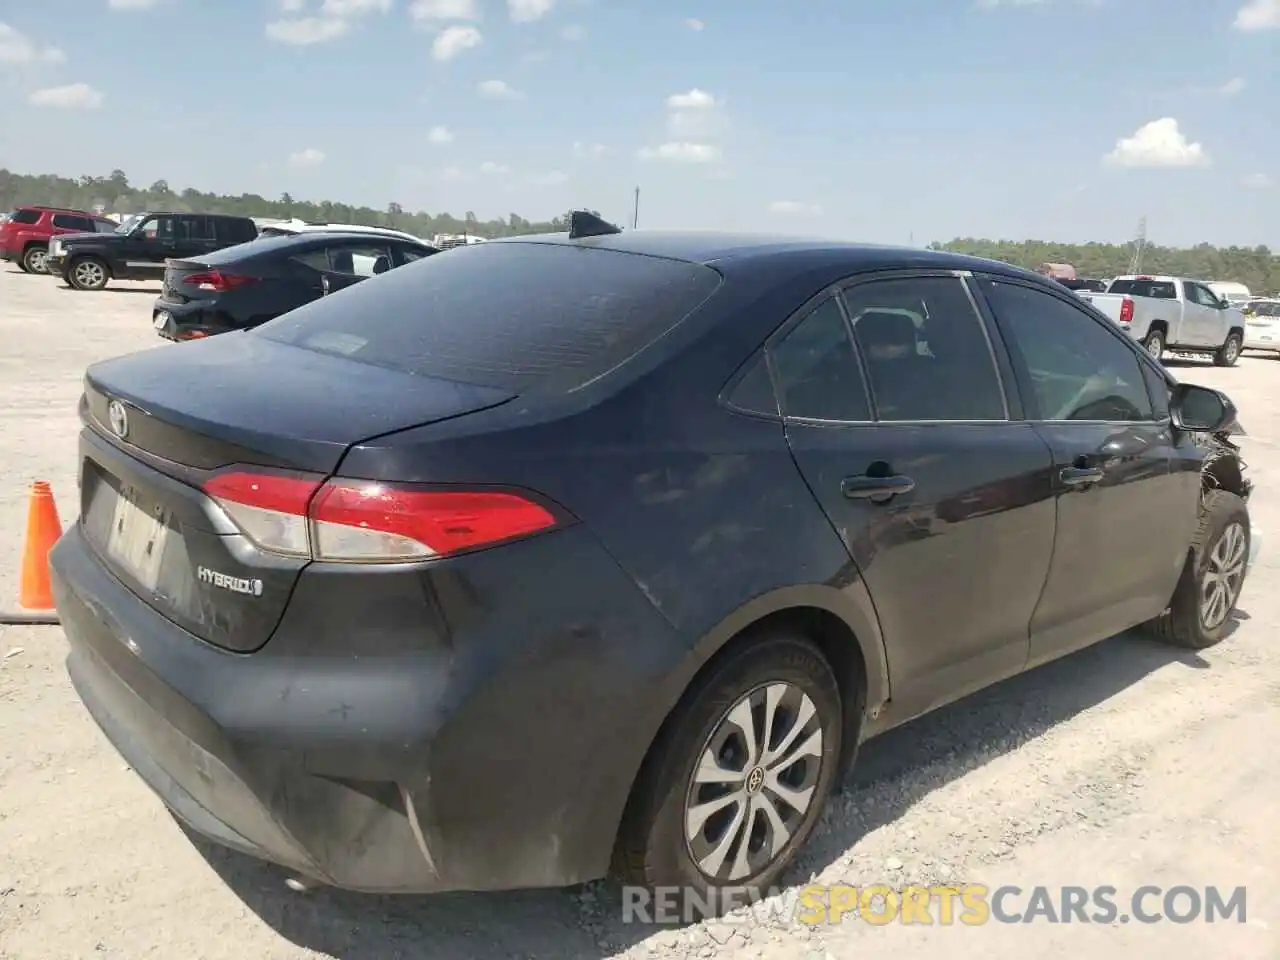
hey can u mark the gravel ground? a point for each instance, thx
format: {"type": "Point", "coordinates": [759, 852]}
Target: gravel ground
{"type": "Point", "coordinates": [1128, 764]}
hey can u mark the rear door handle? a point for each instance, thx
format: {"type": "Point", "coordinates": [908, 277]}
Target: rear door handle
{"type": "Point", "coordinates": [878, 489]}
{"type": "Point", "coordinates": [1080, 476]}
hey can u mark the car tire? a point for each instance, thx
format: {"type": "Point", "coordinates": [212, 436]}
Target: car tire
{"type": "Point", "coordinates": [1154, 344]}
{"type": "Point", "coordinates": [33, 259]}
{"type": "Point", "coordinates": [87, 273]}
{"type": "Point", "coordinates": [1229, 352]}
{"type": "Point", "coordinates": [703, 755]}
{"type": "Point", "coordinates": [1217, 568]}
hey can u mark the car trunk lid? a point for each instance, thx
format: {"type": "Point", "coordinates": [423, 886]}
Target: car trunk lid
{"type": "Point", "coordinates": [164, 423]}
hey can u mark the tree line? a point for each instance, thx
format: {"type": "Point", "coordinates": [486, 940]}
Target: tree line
{"type": "Point", "coordinates": [1256, 267]}
{"type": "Point", "coordinates": [115, 194]}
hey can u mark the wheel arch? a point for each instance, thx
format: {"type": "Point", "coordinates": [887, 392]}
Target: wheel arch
{"type": "Point", "coordinates": [841, 622]}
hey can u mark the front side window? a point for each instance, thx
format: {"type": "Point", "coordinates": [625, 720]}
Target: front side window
{"type": "Point", "coordinates": [1079, 370]}
{"type": "Point", "coordinates": [925, 350]}
{"type": "Point", "coordinates": [66, 221]}
{"type": "Point", "coordinates": [816, 369]}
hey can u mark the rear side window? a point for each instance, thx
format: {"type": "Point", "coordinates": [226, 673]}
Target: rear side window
{"type": "Point", "coordinates": [817, 371]}
{"type": "Point", "coordinates": [27, 217]}
{"type": "Point", "coordinates": [516, 316]}
{"type": "Point", "coordinates": [231, 230]}
{"type": "Point", "coordinates": [1158, 289]}
{"type": "Point", "coordinates": [67, 221]}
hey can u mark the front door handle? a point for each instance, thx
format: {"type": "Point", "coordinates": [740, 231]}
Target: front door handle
{"type": "Point", "coordinates": [879, 489]}
{"type": "Point", "coordinates": [1080, 476]}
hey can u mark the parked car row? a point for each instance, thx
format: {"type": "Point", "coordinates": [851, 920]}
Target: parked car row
{"type": "Point", "coordinates": [609, 549]}
{"type": "Point", "coordinates": [218, 272]}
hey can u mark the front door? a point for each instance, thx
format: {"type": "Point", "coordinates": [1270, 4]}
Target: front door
{"type": "Point", "coordinates": [1124, 514]}
{"type": "Point", "coordinates": [1209, 330]}
{"type": "Point", "coordinates": [150, 244]}
{"type": "Point", "coordinates": [942, 500]}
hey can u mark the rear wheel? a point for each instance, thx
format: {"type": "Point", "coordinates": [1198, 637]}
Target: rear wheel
{"type": "Point", "coordinates": [88, 273]}
{"type": "Point", "coordinates": [1229, 352]}
{"type": "Point", "coordinates": [1213, 578]}
{"type": "Point", "coordinates": [33, 260]}
{"type": "Point", "coordinates": [1154, 344]}
{"type": "Point", "coordinates": [738, 777]}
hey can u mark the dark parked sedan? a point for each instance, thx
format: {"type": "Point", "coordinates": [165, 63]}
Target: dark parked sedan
{"type": "Point", "coordinates": [246, 285]}
{"type": "Point", "coordinates": [565, 552]}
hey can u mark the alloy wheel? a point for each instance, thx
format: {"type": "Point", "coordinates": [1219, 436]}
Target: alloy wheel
{"type": "Point", "coordinates": [89, 274]}
{"type": "Point", "coordinates": [754, 783]}
{"type": "Point", "coordinates": [36, 261]}
{"type": "Point", "coordinates": [1155, 346]}
{"type": "Point", "coordinates": [1223, 576]}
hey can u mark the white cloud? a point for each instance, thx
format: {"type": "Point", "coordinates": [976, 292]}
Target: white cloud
{"type": "Point", "coordinates": [524, 11]}
{"type": "Point", "coordinates": [694, 115]}
{"type": "Point", "coordinates": [334, 20]}
{"type": "Point", "coordinates": [73, 96]}
{"type": "Point", "coordinates": [350, 9]}
{"type": "Point", "coordinates": [498, 90]}
{"type": "Point", "coordinates": [591, 150]}
{"type": "Point", "coordinates": [1258, 15]}
{"type": "Point", "coordinates": [452, 41]}
{"type": "Point", "coordinates": [493, 169]}
{"type": "Point", "coordinates": [573, 32]}
{"type": "Point", "coordinates": [132, 4]}
{"type": "Point", "coordinates": [693, 23]}
{"type": "Point", "coordinates": [305, 31]}
{"type": "Point", "coordinates": [695, 99]}
{"type": "Point", "coordinates": [1232, 87]}
{"type": "Point", "coordinates": [18, 49]}
{"type": "Point", "coordinates": [1157, 144]}
{"type": "Point", "coordinates": [1258, 181]}
{"type": "Point", "coordinates": [310, 157]}
{"type": "Point", "coordinates": [681, 152]}
{"type": "Point", "coordinates": [552, 178]}
{"type": "Point", "coordinates": [440, 135]}
{"type": "Point", "coordinates": [791, 207]}
{"type": "Point", "coordinates": [444, 10]}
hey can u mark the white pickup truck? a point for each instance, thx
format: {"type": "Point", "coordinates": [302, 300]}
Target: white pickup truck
{"type": "Point", "coordinates": [1171, 313]}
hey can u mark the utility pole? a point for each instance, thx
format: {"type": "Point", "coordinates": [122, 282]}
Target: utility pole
{"type": "Point", "coordinates": [635, 210]}
{"type": "Point", "coordinates": [1139, 243]}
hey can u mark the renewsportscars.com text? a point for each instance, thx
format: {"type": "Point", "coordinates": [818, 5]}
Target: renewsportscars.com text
{"type": "Point", "coordinates": [966, 904]}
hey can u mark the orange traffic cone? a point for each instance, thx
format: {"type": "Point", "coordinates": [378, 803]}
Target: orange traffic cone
{"type": "Point", "coordinates": [43, 530]}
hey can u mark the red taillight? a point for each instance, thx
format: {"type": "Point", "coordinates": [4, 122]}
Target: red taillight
{"type": "Point", "coordinates": [216, 282]}
{"type": "Point", "coordinates": [1126, 310]}
{"type": "Point", "coordinates": [361, 521]}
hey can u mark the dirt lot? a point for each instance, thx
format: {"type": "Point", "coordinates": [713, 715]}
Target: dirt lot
{"type": "Point", "coordinates": [1126, 765]}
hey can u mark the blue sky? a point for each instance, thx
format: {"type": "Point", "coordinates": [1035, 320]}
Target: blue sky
{"type": "Point", "coordinates": [883, 120]}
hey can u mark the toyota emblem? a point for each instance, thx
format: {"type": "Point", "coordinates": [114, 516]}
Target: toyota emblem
{"type": "Point", "coordinates": [119, 418]}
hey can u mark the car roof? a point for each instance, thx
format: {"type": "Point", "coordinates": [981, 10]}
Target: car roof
{"type": "Point", "coordinates": [264, 246]}
{"type": "Point", "coordinates": [720, 247]}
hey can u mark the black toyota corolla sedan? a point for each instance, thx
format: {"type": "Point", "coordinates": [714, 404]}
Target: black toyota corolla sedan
{"type": "Point", "coordinates": [608, 549]}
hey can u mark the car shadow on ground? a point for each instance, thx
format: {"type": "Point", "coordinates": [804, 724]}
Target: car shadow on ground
{"type": "Point", "coordinates": [152, 291]}
{"type": "Point", "coordinates": [894, 772]}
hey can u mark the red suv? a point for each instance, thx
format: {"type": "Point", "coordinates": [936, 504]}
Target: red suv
{"type": "Point", "coordinates": [25, 233]}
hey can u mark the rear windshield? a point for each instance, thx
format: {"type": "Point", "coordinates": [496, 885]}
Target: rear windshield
{"type": "Point", "coordinates": [1160, 289]}
{"type": "Point", "coordinates": [513, 315]}
{"type": "Point", "coordinates": [24, 216]}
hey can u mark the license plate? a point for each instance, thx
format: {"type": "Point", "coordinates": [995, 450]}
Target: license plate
{"type": "Point", "coordinates": [161, 319]}
{"type": "Point", "coordinates": [137, 540]}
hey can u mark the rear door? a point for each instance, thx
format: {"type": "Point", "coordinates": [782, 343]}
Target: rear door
{"type": "Point", "coordinates": [1125, 516]}
{"type": "Point", "coordinates": [196, 236]}
{"type": "Point", "coordinates": [940, 494]}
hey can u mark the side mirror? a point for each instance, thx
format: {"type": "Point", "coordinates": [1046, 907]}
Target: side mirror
{"type": "Point", "coordinates": [1201, 409]}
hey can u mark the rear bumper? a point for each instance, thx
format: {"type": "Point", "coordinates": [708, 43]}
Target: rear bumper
{"type": "Point", "coordinates": [496, 757]}
{"type": "Point", "coordinates": [1254, 341]}
{"type": "Point", "coordinates": [189, 321]}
